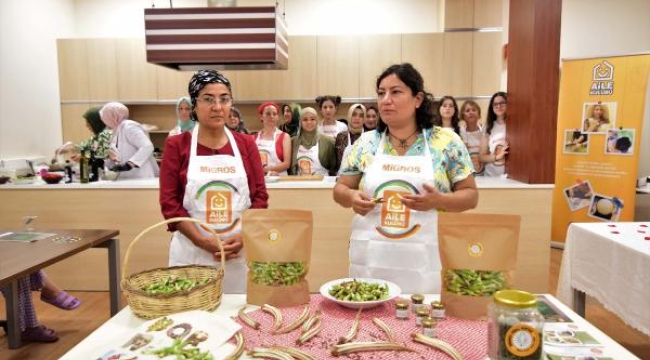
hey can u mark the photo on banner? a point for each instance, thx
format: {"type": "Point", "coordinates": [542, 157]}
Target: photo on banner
{"type": "Point", "coordinates": [620, 142]}
{"type": "Point", "coordinates": [598, 117]}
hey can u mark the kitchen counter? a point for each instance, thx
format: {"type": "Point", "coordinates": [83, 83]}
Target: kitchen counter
{"type": "Point", "coordinates": [132, 205]}
{"type": "Point", "coordinates": [327, 183]}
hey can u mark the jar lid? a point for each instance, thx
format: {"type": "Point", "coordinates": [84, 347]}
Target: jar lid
{"type": "Point", "coordinates": [401, 305]}
{"type": "Point", "coordinates": [422, 311]}
{"type": "Point", "coordinates": [437, 305]}
{"type": "Point", "coordinates": [417, 297]}
{"type": "Point", "coordinates": [515, 298]}
{"type": "Point", "coordinates": [428, 322]}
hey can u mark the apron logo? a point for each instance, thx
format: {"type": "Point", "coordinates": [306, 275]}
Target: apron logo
{"type": "Point", "coordinates": [401, 168]}
{"type": "Point", "coordinates": [395, 219]}
{"type": "Point", "coordinates": [304, 163]}
{"type": "Point", "coordinates": [475, 249]}
{"type": "Point", "coordinates": [219, 207]}
{"type": "Point", "coordinates": [217, 169]}
{"type": "Point", "coordinates": [273, 235]}
{"type": "Point", "coordinates": [264, 156]}
{"type": "Point", "coordinates": [393, 212]}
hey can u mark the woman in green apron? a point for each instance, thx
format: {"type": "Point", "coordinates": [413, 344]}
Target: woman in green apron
{"type": "Point", "coordinates": [396, 179]}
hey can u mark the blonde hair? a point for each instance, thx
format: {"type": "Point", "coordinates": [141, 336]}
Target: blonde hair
{"type": "Point", "coordinates": [603, 107]}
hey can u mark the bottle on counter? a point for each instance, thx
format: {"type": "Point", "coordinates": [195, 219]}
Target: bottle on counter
{"type": "Point", "coordinates": [94, 167]}
{"type": "Point", "coordinates": [515, 326]}
{"type": "Point", "coordinates": [420, 314]}
{"type": "Point", "coordinates": [428, 327]}
{"type": "Point", "coordinates": [68, 172]}
{"type": "Point", "coordinates": [437, 310]}
{"type": "Point", "coordinates": [401, 310]}
{"type": "Point", "coordinates": [84, 168]}
{"type": "Point", "coordinates": [417, 301]}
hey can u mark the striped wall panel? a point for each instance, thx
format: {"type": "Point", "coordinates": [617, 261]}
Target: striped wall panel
{"type": "Point", "coordinates": [223, 38]}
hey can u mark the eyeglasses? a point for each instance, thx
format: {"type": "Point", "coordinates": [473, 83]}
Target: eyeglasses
{"type": "Point", "coordinates": [499, 104]}
{"type": "Point", "coordinates": [212, 101]}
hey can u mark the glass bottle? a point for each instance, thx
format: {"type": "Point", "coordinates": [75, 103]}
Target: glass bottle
{"type": "Point", "coordinates": [94, 167]}
{"type": "Point", "coordinates": [417, 301]}
{"type": "Point", "coordinates": [515, 326]}
{"type": "Point", "coordinates": [437, 310]}
{"type": "Point", "coordinates": [420, 314]}
{"type": "Point", "coordinates": [84, 168]}
{"type": "Point", "coordinates": [429, 327]}
{"type": "Point", "coordinates": [68, 172]}
{"type": "Point", "coordinates": [402, 310]}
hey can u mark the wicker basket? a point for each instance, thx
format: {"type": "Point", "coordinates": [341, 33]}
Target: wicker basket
{"type": "Point", "coordinates": [150, 306]}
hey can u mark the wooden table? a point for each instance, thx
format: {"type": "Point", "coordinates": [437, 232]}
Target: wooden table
{"type": "Point", "coordinates": [610, 262]}
{"type": "Point", "coordinates": [21, 259]}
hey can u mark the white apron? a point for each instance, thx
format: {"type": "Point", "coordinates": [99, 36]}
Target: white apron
{"type": "Point", "coordinates": [496, 141]}
{"type": "Point", "coordinates": [308, 162]}
{"type": "Point", "coordinates": [216, 193]}
{"type": "Point", "coordinates": [393, 242]}
{"type": "Point", "coordinates": [267, 151]}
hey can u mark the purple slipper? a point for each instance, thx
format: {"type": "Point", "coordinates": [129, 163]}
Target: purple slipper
{"type": "Point", "coordinates": [39, 334]}
{"type": "Point", "coordinates": [63, 301]}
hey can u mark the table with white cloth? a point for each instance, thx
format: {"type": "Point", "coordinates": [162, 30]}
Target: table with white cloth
{"type": "Point", "coordinates": [610, 262]}
{"type": "Point", "coordinates": [125, 323]}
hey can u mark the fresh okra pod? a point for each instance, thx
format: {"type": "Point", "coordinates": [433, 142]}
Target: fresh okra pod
{"type": "Point", "coordinates": [474, 282]}
{"type": "Point", "coordinates": [172, 284]}
{"type": "Point", "coordinates": [277, 273]}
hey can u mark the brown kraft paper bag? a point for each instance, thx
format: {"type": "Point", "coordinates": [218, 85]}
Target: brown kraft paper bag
{"type": "Point", "coordinates": [479, 257]}
{"type": "Point", "coordinates": [277, 246]}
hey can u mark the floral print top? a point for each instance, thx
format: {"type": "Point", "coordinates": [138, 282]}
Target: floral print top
{"type": "Point", "coordinates": [99, 143]}
{"type": "Point", "coordinates": [451, 162]}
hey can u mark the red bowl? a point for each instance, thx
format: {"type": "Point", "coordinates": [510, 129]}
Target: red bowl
{"type": "Point", "coordinates": [52, 178]}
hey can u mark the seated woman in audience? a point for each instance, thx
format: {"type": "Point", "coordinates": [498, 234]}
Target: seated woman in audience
{"type": "Point", "coordinates": [494, 146]}
{"type": "Point", "coordinates": [274, 144]}
{"type": "Point", "coordinates": [372, 118]}
{"type": "Point", "coordinates": [184, 116]}
{"type": "Point", "coordinates": [131, 149]}
{"type": "Point", "coordinates": [329, 126]}
{"type": "Point", "coordinates": [448, 111]}
{"type": "Point", "coordinates": [30, 329]}
{"type": "Point", "coordinates": [344, 140]}
{"type": "Point", "coordinates": [471, 132]}
{"type": "Point", "coordinates": [312, 152]}
{"type": "Point", "coordinates": [235, 121]}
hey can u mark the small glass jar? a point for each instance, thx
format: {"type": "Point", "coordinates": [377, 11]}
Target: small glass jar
{"type": "Point", "coordinates": [417, 301]}
{"type": "Point", "coordinates": [421, 313]}
{"type": "Point", "coordinates": [402, 310]}
{"type": "Point", "coordinates": [437, 310]}
{"type": "Point", "coordinates": [515, 326]}
{"type": "Point", "coordinates": [429, 327]}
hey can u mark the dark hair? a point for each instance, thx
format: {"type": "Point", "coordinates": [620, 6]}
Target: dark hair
{"type": "Point", "coordinates": [468, 103]}
{"type": "Point", "coordinates": [199, 80]}
{"type": "Point", "coordinates": [491, 116]}
{"type": "Point", "coordinates": [412, 78]}
{"type": "Point", "coordinates": [336, 100]}
{"type": "Point", "coordinates": [454, 118]}
{"type": "Point", "coordinates": [623, 144]}
{"type": "Point", "coordinates": [285, 106]}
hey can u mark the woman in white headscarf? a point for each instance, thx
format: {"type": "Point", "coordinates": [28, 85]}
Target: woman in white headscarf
{"type": "Point", "coordinates": [184, 116]}
{"type": "Point", "coordinates": [131, 150]}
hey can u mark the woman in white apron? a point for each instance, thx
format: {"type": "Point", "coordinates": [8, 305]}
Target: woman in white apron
{"type": "Point", "coordinates": [344, 140]}
{"type": "Point", "coordinates": [329, 126]}
{"type": "Point", "coordinates": [274, 145]}
{"type": "Point", "coordinates": [494, 146]}
{"type": "Point", "coordinates": [312, 153]}
{"type": "Point", "coordinates": [396, 180]}
{"type": "Point", "coordinates": [213, 175]}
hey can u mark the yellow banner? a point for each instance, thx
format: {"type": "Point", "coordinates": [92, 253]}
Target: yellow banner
{"type": "Point", "coordinates": [600, 117]}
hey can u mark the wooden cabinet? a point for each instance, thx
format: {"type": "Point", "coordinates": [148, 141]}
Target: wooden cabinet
{"type": "Point", "coordinates": [136, 77]}
{"type": "Point", "coordinates": [457, 64]}
{"type": "Point", "coordinates": [73, 125]}
{"type": "Point", "coordinates": [425, 52]}
{"type": "Point", "coordinates": [473, 14]}
{"type": "Point", "coordinates": [338, 66]}
{"type": "Point", "coordinates": [171, 84]}
{"type": "Point", "coordinates": [73, 62]}
{"type": "Point", "coordinates": [487, 63]}
{"type": "Point", "coordinates": [102, 70]}
{"type": "Point", "coordinates": [376, 53]}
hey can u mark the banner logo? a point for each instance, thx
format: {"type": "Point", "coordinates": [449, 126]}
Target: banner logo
{"type": "Point", "coordinates": [602, 79]}
{"type": "Point", "coordinates": [304, 163]}
{"type": "Point", "coordinates": [265, 156]}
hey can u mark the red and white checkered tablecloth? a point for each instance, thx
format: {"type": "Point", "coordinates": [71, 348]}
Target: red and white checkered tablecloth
{"type": "Point", "coordinates": [468, 337]}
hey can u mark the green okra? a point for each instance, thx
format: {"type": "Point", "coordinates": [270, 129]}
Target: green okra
{"type": "Point", "coordinates": [357, 290]}
{"type": "Point", "coordinates": [172, 284]}
{"type": "Point", "coordinates": [277, 273]}
{"type": "Point", "coordinates": [474, 282]}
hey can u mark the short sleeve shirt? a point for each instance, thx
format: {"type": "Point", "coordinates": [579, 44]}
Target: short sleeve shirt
{"type": "Point", "coordinates": [450, 160]}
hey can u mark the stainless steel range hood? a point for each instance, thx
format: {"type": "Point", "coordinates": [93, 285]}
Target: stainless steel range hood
{"type": "Point", "coordinates": [221, 38]}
